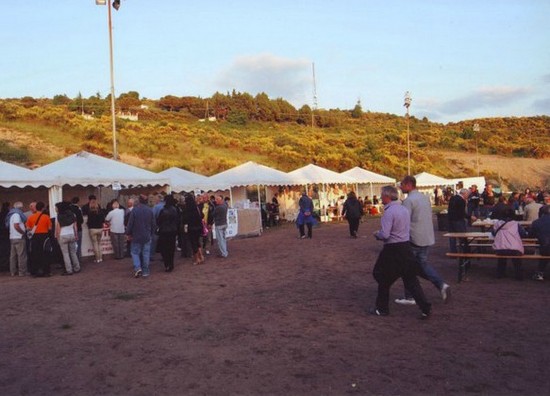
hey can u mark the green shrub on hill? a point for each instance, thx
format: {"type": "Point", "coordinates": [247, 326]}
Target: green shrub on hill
{"type": "Point", "coordinates": [170, 131]}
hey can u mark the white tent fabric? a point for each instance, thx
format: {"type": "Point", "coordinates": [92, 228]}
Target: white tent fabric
{"type": "Point", "coordinates": [366, 176]}
{"type": "Point", "coordinates": [86, 169]}
{"type": "Point", "coordinates": [426, 179]}
{"type": "Point", "coordinates": [183, 180]}
{"type": "Point", "coordinates": [249, 174]}
{"type": "Point", "coordinates": [468, 182]}
{"type": "Point", "coordinates": [16, 176]}
{"type": "Point", "coordinates": [310, 174]}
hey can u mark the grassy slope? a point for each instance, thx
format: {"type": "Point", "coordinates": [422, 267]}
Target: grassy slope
{"type": "Point", "coordinates": [377, 142]}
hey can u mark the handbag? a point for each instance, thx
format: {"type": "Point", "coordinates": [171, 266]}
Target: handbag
{"type": "Point", "coordinates": [30, 233]}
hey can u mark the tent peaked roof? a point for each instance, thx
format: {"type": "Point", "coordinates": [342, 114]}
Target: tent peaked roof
{"type": "Point", "coordinates": [89, 169]}
{"type": "Point", "coordinates": [366, 176]}
{"type": "Point", "coordinates": [184, 180]}
{"type": "Point", "coordinates": [251, 173]}
{"type": "Point", "coordinates": [426, 179]}
{"type": "Point", "coordinates": [16, 176]}
{"type": "Point", "coordinates": [315, 174]}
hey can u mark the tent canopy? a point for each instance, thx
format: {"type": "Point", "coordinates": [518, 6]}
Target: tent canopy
{"type": "Point", "coordinates": [249, 174]}
{"type": "Point", "coordinates": [16, 176]}
{"type": "Point", "coordinates": [183, 180]}
{"type": "Point", "coordinates": [426, 179]}
{"type": "Point", "coordinates": [310, 174]}
{"type": "Point", "coordinates": [468, 182]}
{"type": "Point", "coordinates": [366, 176]}
{"type": "Point", "coordinates": [86, 169]}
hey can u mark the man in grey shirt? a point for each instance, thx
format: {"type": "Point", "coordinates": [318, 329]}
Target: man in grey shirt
{"type": "Point", "coordinates": [421, 237]}
{"type": "Point", "coordinates": [396, 259]}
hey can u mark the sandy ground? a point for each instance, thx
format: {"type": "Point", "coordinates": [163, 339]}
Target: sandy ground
{"type": "Point", "coordinates": [280, 316]}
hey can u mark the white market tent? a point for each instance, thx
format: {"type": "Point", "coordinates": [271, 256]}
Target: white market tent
{"type": "Point", "coordinates": [251, 174]}
{"type": "Point", "coordinates": [468, 182]}
{"type": "Point", "coordinates": [426, 179]}
{"type": "Point", "coordinates": [86, 169]}
{"type": "Point", "coordinates": [183, 180]}
{"type": "Point", "coordinates": [364, 176]}
{"type": "Point", "coordinates": [16, 176]}
{"type": "Point", "coordinates": [313, 174]}
{"type": "Point", "coordinates": [21, 184]}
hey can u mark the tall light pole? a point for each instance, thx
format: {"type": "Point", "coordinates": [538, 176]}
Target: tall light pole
{"type": "Point", "coordinates": [476, 130]}
{"type": "Point", "coordinates": [407, 104]}
{"type": "Point", "coordinates": [116, 5]}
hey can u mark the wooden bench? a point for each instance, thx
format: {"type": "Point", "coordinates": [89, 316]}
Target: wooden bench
{"type": "Point", "coordinates": [464, 262]}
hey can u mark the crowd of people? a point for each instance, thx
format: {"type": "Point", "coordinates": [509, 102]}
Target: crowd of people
{"type": "Point", "coordinates": [468, 205]}
{"type": "Point", "coordinates": [186, 224]}
{"type": "Point", "coordinates": [30, 241]}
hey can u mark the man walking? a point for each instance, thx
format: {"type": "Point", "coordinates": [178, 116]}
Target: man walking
{"type": "Point", "coordinates": [141, 226]}
{"type": "Point", "coordinates": [421, 238]}
{"type": "Point", "coordinates": [396, 260]}
{"type": "Point", "coordinates": [15, 221]}
{"type": "Point", "coordinates": [220, 222]}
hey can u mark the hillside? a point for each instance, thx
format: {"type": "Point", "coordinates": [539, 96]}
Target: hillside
{"type": "Point", "coordinates": [514, 151]}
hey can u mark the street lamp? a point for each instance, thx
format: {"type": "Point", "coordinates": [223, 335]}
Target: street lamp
{"type": "Point", "coordinates": [476, 130]}
{"type": "Point", "coordinates": [116, 6]}
{"type": "Point", "coordinates": [407, 104]}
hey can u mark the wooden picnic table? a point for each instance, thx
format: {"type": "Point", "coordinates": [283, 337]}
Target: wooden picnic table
{"type": "Point", "coordinates": [479, 239]}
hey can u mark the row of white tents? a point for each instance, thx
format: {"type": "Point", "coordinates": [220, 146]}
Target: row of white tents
{"type": "Point", "coordinates": [86, 169]}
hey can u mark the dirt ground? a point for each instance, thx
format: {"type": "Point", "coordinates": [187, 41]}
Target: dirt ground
{"type": "Point", "coordinates": [280, 316]}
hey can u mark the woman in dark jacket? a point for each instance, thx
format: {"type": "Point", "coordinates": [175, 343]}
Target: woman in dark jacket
{"type": "Point", "coordinates": [194, 228]}
{"type": "Point", "coordinates": [167, 228]}
{"type": "Point", "coordinates": [352, 212]}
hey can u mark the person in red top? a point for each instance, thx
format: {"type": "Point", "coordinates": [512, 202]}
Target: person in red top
{"type": "Point", "coordinates": [40, 264]}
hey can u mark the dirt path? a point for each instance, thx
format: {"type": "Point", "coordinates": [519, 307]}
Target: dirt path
{"type": "Point", "coordinates": [281, 316]}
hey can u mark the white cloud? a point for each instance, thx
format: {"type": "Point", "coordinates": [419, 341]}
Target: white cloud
{"type": "Point", "coordinates": [276, 76]}
{"type": "Point", "coordinates": [485, 97]}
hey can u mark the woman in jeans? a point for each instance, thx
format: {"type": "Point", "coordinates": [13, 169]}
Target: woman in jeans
{"type": "Point", "coordinates": [96, 218]}
{"type": "Point", "coordinates": [66, 233]}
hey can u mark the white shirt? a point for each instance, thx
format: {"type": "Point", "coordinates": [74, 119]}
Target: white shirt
{"type": "Point", "coordinates": [16, 219]}
{"type": "Point", "coordinates": [67, 230]}
{"type": "Point", "coordinates": [116, 219]}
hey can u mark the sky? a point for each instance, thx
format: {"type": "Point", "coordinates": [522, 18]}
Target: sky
{"type": "Point", "coordinates": [459, 60]}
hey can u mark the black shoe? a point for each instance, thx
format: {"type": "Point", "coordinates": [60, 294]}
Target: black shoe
{"type": "Point", "coordinates": [377, 312]}
{"type": "Point", "coordinates": [425, 315]}
{"type": "Point", "coordinates": [66, 273]}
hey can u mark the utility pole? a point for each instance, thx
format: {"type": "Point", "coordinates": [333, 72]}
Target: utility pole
{"type": "Point", "coordinates": [407, 104]}
{"type": "Point", "coordinates": [476, 130]}
{"type": "Point", "coordinates": [116, 5]}
{"type": "Point", "coordinates": [314, 107]}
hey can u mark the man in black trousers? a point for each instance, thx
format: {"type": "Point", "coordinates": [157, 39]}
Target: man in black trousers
{"type": "Point", "coordinates": [396, 260]}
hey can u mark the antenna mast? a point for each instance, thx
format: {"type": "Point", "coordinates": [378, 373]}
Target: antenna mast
{"type": "Point", "coordinates": [314, 107]}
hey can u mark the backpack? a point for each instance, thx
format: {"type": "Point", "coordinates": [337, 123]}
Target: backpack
{"type": "Point", "coordinates": [66, 218]}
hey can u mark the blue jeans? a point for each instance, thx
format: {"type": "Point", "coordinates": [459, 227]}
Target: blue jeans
{"type": "Point", "coordinates": [140, 256]}
{"type": "Point", "coordinates": [426, 271]}
{"type": "Point", "coordinates": [222, 242]}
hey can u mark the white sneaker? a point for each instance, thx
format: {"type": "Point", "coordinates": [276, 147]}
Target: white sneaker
{"type": "Point", "coordinates": [539, 276]}
{"type": "Point", "coordinates": [445, 292]}
{"type": "Point", "coordinates": [405, 301]}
